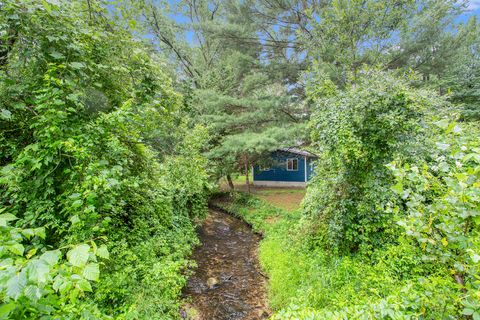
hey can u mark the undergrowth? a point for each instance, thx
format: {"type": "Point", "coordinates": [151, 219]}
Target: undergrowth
{"type": "Point", "coordinates": [308, 283]}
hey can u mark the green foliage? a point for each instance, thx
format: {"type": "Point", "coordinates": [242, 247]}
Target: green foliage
{"type": "Point", "coordinates": [96, 146]}
{"type": "Point", "coordinates": [356, 132]}
{"type": "Point", "coordinates": [376, 240]}
{"type": "Point", "coordinates": [441, 200]}
{"type": "Point", "coordinates": [394, 283]}
{"type": "Point", "coordinates": [459, 78]}
{"type": "Point", "coordinates": [419, 247]}
{"type": "Point", "coordinates": [103, 166]}
{"type": "Point", "coordinates": [428, 299]}
{"type": "Point", "coordinates": [39, 283]}
{"type": "Point", "coordinates": [313, 284]}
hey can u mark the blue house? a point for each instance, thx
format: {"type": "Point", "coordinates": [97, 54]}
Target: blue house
{"type": "Point", "coordinates": [288, 167]}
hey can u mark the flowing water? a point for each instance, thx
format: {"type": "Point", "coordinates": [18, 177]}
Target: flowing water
{"type": "Point", "coordinates": [228, 283]}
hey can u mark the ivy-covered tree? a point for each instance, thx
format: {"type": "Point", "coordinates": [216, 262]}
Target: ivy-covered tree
{"type": "Point", "coordinates": [356, 132]}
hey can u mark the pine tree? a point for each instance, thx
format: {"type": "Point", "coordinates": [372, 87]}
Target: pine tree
{"type": "Point", "coordinates": [230, 87]}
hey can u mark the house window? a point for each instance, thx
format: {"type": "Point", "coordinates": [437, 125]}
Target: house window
{"type": "Point", "coordinates": [292, 164]}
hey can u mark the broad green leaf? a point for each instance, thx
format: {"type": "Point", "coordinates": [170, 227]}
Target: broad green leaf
{"type": "Point", "coordinates": [40, 232]}
{"type": "Point", "coordinates": [91, 272]}
{"type": "Point", "coordinates": [5, 309]}
{"type": "Point", "coordinates": [38, 271]}
{"type": "Point", "coordinates": [77, 203]}
{"type": "Point", "coordinates": [75, 195]}
{"type": "Point", "coordinates": [57, 55]}
{"type": "Point", "coordinates": [5, 218]}
{"type": "Point", "coordinates": [5, 114]}
{"type": "Point", "coordinates": [15, 286]}
{"type": "Point", "coordinates": [78, 256]}
{"type": "Point", "coordinates": [57, 282]}
{"type": "Point", "coordinates": [398, 188]}
{"type": "Point", "coordinates": [28, 233]}
{"type": "Point", "coordinates": [468, 311]}
{"type": "Point", "coordinates": [84, 285]}
{"type": "Point", "coordinates": [17, 249]}
{"type": "Point", "coordinates": [443, 124]}
{"type": "Point", "coordinates": [75, 219]}
{"type": "Point", "coordinates": [102, 252]}
{"type": "Point", "coordinates": [77, 65]}
{"type": "Point", "coordinates": [51, 257]}
{"type": "Point", "coordinates": [33, 292]}
{"type": "Point", "coordinates": [65, 287]}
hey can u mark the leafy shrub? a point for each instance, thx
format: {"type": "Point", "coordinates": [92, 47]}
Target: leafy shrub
{"type": "Point", "coordinates": [356, 132]}
{"type": "Point", "coordinates": [38, 283]}
{"type": "Point", "coordinates": [441, 199]}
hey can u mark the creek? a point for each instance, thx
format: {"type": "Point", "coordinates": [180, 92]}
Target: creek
{"type": "Point", "coordinates": [228, 283]}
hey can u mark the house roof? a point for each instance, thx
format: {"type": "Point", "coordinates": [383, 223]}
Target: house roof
{"type": "Point", "coordinates": [299, 152]}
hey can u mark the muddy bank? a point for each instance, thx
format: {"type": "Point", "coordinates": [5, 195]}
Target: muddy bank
{"type": "Point", "coordinates": [228, 283]}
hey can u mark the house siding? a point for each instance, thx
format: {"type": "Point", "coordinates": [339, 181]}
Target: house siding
{"type": "Point", "coordinates": [278, 171]}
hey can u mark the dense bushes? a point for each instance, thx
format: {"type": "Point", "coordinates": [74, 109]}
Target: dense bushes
{"type": "Point", "coordinates": [95, 150]}
{"type": "Point", "coordinates": [306, 283]}
{"type": "Point", "coordinates": [439, 207]}
{"type": "Point", "coordinates": [356, 132]}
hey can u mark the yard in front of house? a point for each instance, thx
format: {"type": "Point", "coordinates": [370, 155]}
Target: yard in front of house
{"type": "Point", "coordinates": [287, 198]}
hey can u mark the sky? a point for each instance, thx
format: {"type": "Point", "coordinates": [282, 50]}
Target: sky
{"type": "Point", "coordinates": [474, 5]}
{"type": "Point", "coordinates": [473, 9]}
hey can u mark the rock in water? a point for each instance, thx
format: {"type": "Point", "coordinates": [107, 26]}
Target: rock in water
{"type": "Point", "coordinates": [212, 283]}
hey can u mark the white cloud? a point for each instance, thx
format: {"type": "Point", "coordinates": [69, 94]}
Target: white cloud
{"type": "Point", "coordinates": [474, 4]}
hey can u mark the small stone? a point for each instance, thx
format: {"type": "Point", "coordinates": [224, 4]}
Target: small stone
{"type": "Point", "coordinates": [212, 282]}
{"type": "Point", "coordinates": [262, 314]}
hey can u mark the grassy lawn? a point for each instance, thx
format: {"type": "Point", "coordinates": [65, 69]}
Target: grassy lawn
{"type": "Point", "coordinates": [284, 198]}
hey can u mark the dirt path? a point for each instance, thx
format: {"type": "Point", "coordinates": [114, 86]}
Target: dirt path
{"type": "Point", "coordinates": [227, 284]}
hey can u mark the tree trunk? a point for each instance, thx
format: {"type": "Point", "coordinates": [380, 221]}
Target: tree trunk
{"type": "Point", "coordinates": [247, 178]}
{"type": "Point", "coordinates": [230, 182]}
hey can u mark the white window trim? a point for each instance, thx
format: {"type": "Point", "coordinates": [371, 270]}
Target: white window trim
{"type": "Point", "coordinates": [288, 159]}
